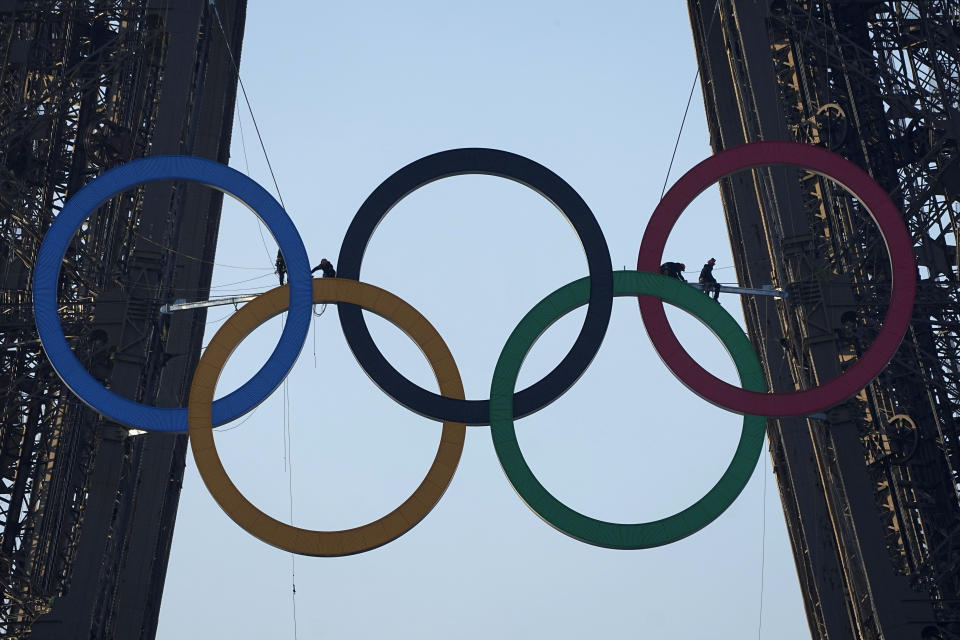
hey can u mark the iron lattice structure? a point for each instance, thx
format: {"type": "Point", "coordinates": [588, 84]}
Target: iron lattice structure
{"type": "Point", "coordinates": [86, 510]}
{"type": "Point", "coordinates": [870, 488]}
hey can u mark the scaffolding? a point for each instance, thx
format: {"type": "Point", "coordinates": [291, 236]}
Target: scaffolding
{"type": "Point", "coordinates": [870, 492]}
{"type": "Point", "coordinates": [85, 86]}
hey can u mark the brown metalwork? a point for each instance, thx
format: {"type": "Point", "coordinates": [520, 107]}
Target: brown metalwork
{"type": "Point", "coordinates": [86, 512]}
{"type": "Point", "coordinates": [870, 489]}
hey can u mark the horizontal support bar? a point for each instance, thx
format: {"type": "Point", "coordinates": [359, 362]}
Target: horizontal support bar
{"type": "Point", "coordinates": [182, 305]}
{"type": "Point", "coordinates": [765, 291]}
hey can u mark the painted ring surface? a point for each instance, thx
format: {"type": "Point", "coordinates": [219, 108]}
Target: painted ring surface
{"type": "Point", "coordinates": [114, 181]}
{"type": "Point", "coordinates": [285, 536]}
{"type": "Point", "coordinates": [902, 287]}
{"type": "Point", "coordinates": [494, 163]}
{"type": "Point", "coordinates": [505, 405]}
{"type": "Point", "coordinates": [560, 516]}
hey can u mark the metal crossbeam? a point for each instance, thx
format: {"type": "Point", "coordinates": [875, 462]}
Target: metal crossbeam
{"type": "Point", "coordinates": [86, 514]}
{"type": "Point", "coordinates": [768, 290]}
{"type": "Point", "coordinates": [182, 305]}
{"type": "Point", "coordinates": [875, 520]}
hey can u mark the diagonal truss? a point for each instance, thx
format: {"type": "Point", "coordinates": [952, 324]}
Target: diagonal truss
{"type": "Point", "coordinates": [84, 86]}
{"type": "Point", "coordinates": [870, 490]}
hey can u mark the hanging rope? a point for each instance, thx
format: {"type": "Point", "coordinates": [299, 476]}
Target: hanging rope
{"type": "Point", "coordinates": [287, 451]}
{"type": "Point", "coordinates": [169, 249]}
{"type": "Point", "coordinates": [246, 164]}
{"type": "Point", "coordinates": [289, 457]}
{"type": "Point", "coordinates": [686, 110]}
{"type": "Point", "coordinates": [250, 415]}
{"type": "Point", "coordinates": [288, 469]}
{"type": "Point", "coordinates": [763, 542]}
{"type": "Point", "coordinates": [243, 90]}
{"type": "Point", "coordinates": [763, 498]}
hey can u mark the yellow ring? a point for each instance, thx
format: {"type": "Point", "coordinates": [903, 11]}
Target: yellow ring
{"type": "Point", "coordinates": [307, 541]}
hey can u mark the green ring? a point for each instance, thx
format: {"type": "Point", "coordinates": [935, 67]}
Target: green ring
{"type": "Point", "coordinates": [609, 534]}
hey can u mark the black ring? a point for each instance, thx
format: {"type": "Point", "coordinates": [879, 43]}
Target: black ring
{"type": "Point", "coordinates": [502, 164]}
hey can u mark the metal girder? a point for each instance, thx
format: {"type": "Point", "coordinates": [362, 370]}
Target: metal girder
{"type": "Point", "coordinates": [86, 514]}
{"type": "Point", "coordinates": [870, 493]}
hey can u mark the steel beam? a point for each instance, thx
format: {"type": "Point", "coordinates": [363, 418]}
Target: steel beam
{"type": "Point", "coordinates": [86, 513]}
{"type": "Point", "coordinates": [869, 491]}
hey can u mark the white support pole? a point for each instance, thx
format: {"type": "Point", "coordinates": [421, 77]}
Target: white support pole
{"type": "Point", "coordinates": [182, 305]}
{"type": "Point", "coordinates": [767, 290]}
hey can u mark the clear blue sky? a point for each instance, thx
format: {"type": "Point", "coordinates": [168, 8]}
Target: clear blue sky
{"type": "Point", "coordinates": [347, 93]}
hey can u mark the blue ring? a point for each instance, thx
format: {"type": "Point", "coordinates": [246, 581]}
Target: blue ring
{"type": "Point", "coordinates": [47, 274]}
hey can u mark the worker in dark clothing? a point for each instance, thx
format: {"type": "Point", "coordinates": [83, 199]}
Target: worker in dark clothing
{"type": "Point", "coordinates": [281, 268]}
{"type": "Point", "coordinates": [327, 268]}
{"type": "Point", "coordinates": [708, 281]}
{"type": "Point", "coordinates": [674, 270]}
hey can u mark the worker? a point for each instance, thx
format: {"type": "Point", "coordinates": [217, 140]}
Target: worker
{"type": "Point", "coordinates": [326, 267]}
{"type": "Point", "coordinates": [674, 270]}
{"type": "Point", "coordinates": [281, 267]}
{"type": "Point", "coordinates": [708, 281]}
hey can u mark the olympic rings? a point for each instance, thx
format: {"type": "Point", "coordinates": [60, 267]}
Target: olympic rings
{"type": "Point", "coordinates": [562, 517]}
{"type": "Point", "coordinates": [505, 165]}
{"type": "Point", "coordinates": [597, 291]}
{"type": "Point", "coordinates": [285, 536]}
{"type": "Point", "coordinates": [902, 287]}
{"type": "Point", "coordinates": [58, 237]}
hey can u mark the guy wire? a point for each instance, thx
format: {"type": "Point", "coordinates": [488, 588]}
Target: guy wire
{"type": "Point", "coordinates": [686, 110]}
{"type": "Point", "coordinates": [246, 99]}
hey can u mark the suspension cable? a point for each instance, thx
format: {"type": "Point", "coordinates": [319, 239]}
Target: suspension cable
{"type": "Point", "coordinates": [686, 110]}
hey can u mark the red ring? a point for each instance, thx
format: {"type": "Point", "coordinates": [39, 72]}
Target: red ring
{"type": "Point", "coordinates": [902, 288]}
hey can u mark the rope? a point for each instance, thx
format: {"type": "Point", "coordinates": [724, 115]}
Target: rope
{"type": "Point", "coordinates": [246, 99]}
{"type": "Point", "coordinates": [246, 164]}
{"type": "Point", "coordinates": [229, 284]}
{"type": "Point", "coordinates": [715, 269]}
{"type": "Point", "coordinates": [147, 289]}
{"type": "Point", "coordinates": [287, 451]}
{"type": "Point", "coordinates": [194, 258]}
{"type": "Point", "coordinates": [286, 448]}
{"type": "Point", "coordinates": [686, 110]}
{"type": "Point", "coordinates": [289, 456]}
{"type": "Point", "coordinates": [765, 306]}
{"type": "Point", "coordinates": [250, 415]}
{"type": "Point", "coordinates": [763, 543]}
{"type": "Point", "coordinates": [314, 323]}
{"type": "Point", "coordinates": [288, 469]}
